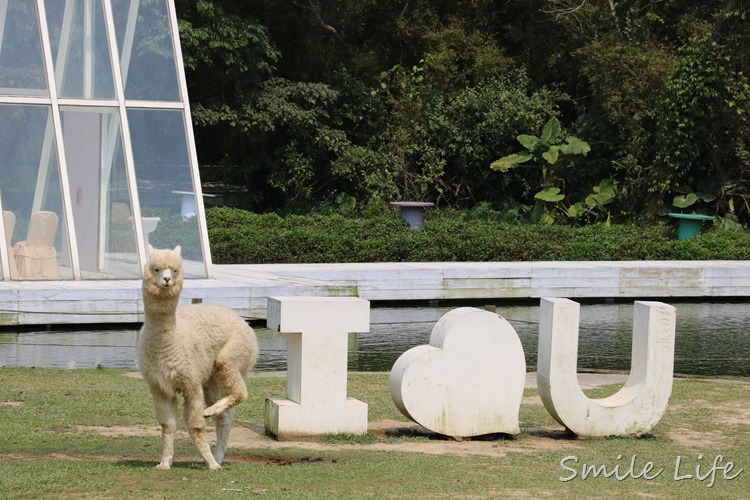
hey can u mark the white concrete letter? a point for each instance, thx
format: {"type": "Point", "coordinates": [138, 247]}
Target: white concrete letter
{"type": "Point", "coordinates": [635, 408]}
{"type": "Point", "coordinates": [316, 401]}
{"type": "Point", "coordinates": [468, 381]}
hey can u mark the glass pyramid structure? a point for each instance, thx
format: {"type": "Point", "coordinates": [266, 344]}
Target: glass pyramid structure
{"type": "Point", "coordinates": [97, 155]}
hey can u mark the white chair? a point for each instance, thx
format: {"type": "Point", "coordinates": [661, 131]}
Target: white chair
{"type": "Point", "coordinates": [36, 257]}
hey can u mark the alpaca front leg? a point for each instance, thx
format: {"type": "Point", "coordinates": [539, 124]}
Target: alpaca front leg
{"type": "Point", "coordinates": [168, 431]}
{"type": "Point", "coordinates": [231, 383]}
{"type": "Point", "coordinates": [196, 425]}
{"type": "Point", "coordinates": [166, 415]}
{"type": "Point", "coordinates": [223, 426]}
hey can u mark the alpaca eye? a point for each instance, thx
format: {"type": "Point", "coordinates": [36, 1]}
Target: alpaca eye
{"type": "Point", "coordinates": [156, 269]}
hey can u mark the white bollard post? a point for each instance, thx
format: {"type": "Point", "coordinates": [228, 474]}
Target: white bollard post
{"type": "Point", "coordinates": [318, 329]}
{"type": "Point", "coordinates": [639, 405]}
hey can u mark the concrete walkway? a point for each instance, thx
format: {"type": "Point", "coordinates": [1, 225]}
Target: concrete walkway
{"type": "Point", "coordinates": [246, 288]}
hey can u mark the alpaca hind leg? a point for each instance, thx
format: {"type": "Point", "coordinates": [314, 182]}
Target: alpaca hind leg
{"type": "Point", "coordinates": [196, 425]}
{"type": "Point", "coordinates": [223, 426]}
{"type": "Point", "coordinates": [223, 421]}
{"type": "Point", "coordinates": [232, 385]}
{"type": "Point", "coordinates": [166, 415]}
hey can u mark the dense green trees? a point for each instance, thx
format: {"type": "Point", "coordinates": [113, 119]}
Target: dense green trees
{"type": "Point", "coordinates": [310, 101]}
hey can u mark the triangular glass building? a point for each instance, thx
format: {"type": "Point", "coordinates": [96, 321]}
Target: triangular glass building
{"type": "Point", "coordinates": [97, 156]}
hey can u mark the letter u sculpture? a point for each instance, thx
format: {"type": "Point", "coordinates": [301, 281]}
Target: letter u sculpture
{"type": "Point", "coordinates": [639, 405]}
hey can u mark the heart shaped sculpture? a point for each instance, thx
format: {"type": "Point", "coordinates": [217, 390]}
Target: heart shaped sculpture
{"type": "Point", "coordinates": [468, 381]}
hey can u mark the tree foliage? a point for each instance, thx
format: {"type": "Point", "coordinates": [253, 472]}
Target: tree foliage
{"type": "Point", "coordinates": [313, 101]}
{"type": "Point", "coordinates": [703, 126]}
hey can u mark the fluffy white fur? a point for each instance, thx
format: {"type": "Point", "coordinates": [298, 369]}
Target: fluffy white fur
{"type": "Point", "coordinates": [201, 351]}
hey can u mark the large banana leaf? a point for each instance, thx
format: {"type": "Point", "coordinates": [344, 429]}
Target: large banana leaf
{"type": "Point", "coordinates": [685, 200]}
{"type": "Point", "coordinates": [551, 131]}
{"type": "Point", "coordinates": [575, 146]}
{"type": "Point", "coordinates": [530, 142]}
{"type": "Point", "coordinates": [551, 194]}
{"type": "Point", "coordinates": [551, 154]}
{"type": "Point", "coordinates": [511, 161]}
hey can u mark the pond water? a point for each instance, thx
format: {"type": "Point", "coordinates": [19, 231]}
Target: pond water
{"type": "Point", "coordinates": [711, 339]}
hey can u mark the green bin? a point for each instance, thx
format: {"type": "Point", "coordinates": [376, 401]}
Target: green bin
{"type": "Point", "coordinates": [689, 225]}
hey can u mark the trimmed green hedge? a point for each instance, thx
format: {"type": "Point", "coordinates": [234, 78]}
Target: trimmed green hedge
{"type": "Point", "coordinates": [238, 236]}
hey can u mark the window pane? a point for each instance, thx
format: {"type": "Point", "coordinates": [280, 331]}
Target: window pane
{"type": "Point", "coordinates": [98, 188]}
{"type": "Point", "coordinates": [21, 66]}
{"type": "Point", "coordinates": [165, 185]}
{"type": "Point", "coordinates": [80, 49]}
{"type": "Point", "coordinates": [146, 50]}
{"type": "Point", "coordinates": [30, 184]}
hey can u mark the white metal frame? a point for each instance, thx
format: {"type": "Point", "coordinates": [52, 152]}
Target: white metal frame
{"type": "Point", "coordinates": [49, 67]}
{"type": "Point", "coordinates": [3, 11]}
{"type": "Point", "coordinates": [187, 117]}
{"type": "Point", "coordinates": [119, 73]}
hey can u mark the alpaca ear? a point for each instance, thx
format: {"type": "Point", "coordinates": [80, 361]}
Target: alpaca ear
{"type": "Point", "coordinates": [150, 249]}
{"type": "Point", "coordinates": [178, 250]}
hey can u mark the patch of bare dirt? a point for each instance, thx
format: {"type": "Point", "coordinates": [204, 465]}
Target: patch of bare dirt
{"type": "Point", "coordinates": [524, 494]}
{"type": "Point", "coordinates": [737, 414]}
{"type": "Point", "coordinates": [16, 404]}
{"type": "Point", "coordinates": [63, 456]}
{"type": "Point", "coordinates": [690, 438]}
{"type": "Point", "coordinates": [728, 413]}
{"type": "Point", "coordinates": [732, 413]}
{"type": "Point", "coordinates": [531, 400]}
{"type": "Point", "coordinates": [131, 431]}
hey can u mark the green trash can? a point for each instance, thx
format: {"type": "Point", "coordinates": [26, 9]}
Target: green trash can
{"type": "Point", "coordinates": [689, 225]}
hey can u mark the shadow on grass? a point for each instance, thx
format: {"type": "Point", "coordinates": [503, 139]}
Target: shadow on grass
{"type": "Point", "coordinates": [234, 459]}
{"type": "Point", "coordinates": [547, 433]}
{"type": "Point", "coordinates": [419, 433]}
{"type": "Point", "coordinates": [568, 435]}
{"type": "Point", "coordinates": [142, 464]}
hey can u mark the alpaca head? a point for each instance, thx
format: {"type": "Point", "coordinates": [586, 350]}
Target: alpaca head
{"type": "Point", "coordinates": [162, 275]}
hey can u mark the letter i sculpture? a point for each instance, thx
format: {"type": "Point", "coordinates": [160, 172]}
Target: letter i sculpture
{"type": "Point", "coordinates": [316, 401]}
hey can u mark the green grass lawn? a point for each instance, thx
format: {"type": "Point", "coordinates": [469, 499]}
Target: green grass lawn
{"type": "Point", "coordinates": [68, 434]}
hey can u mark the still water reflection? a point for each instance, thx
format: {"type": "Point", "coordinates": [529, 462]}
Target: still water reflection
{"type": "Point", "coordinates": [711, 339]}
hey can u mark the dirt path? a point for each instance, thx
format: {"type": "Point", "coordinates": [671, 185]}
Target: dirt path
{"type": "Point", "coordinates": [388, 434]}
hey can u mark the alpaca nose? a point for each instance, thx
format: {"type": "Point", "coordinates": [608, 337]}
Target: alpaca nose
{"type": "Point", "coordinates": [166, 279]}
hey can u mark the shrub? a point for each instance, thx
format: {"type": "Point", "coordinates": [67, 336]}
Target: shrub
{"type": "Point", "coordinates": [173, 230]}
{"type": "Point", "coordinates": [244, 237]}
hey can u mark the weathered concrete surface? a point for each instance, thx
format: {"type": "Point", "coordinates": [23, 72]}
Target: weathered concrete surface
{"type": "Point", "coordinates": [639, 405]}
{"type": "Point", "coordinates": [316, 402]}
{"type": "Point", "coordinates": [468, 381]}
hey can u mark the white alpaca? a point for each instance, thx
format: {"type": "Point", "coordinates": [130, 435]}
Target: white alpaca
{"type": "Point", "coordinates": [201, 351]}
